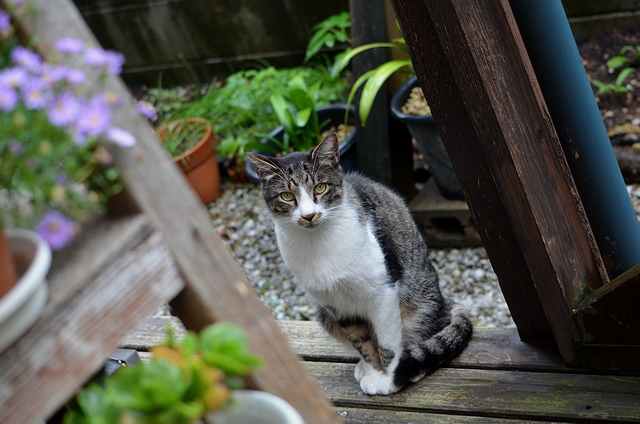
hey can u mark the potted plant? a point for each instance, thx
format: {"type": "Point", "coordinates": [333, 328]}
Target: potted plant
{"type": "Point", "coordinates": [409, 106]}
{"type": "Point", "coordinates": [421, 125]}
{"type": "Point", "coordinates": [194, 380]}
{"type": "Point", "coordinates": [55, 165]}
{"type": "Point", "coordinates": [302, 126]}
{"type": "Point", "coordinates": [191, 145]}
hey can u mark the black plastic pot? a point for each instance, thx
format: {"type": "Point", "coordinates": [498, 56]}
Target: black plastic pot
{"type": "Point", "coordinates": [335, 115]}
{"type": "Point", "coordinates": [424, 130]}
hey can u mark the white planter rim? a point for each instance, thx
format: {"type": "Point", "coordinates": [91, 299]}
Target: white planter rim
{"type": "Point", "coordinates": [29, 282]}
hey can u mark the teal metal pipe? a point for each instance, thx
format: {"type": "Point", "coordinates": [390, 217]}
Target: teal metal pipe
{"type": "Point", "coordinates": [558, 66]}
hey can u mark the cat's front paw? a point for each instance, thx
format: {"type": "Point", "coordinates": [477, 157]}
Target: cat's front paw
{"type": "Point", "coordinates": [378, 383]}
{"type": "Point", "coordinates": [361, 370]}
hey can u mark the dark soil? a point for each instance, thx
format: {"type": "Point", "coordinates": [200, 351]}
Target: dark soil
{"type": "Point", "coordinates": [616, 110]}
{"type": "Point", "coordinates": [620, 113]}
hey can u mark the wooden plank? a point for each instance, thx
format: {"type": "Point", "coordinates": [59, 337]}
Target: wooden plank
{"type": "Point", "coordinates": [152, 332]}
{"type": "Point", "coordinates": [216, 288]}
{"type": "Point", "coordinates": [606, 316]}
{"type": "Point", "coordinates": [74, 335]}
{"type": "Point", "coordinates": [382, 416]}
{"type": "Point", "coordinates": [491, 393]}
{"type": "Point", "coordinates": [490, 112]}
{"type": "Point", "coordinates": [491, 348]}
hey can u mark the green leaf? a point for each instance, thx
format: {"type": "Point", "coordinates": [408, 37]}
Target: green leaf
{"type": "Point", "coordinates": [623, 76]}
{"type": "Point", "coordinates": [344, 60]}
{"type": "Point", "coordinates": [302, 117]}
{"type": "Point", "coordinates": [281, 108]}
{"type": "Point", "coordinates": [190, 344]}
{"type": "Point", "coordinates": [374, 80]}
{"type": "Point", "coordinates": [147, 387]}
{"type": "Point", "coordinates": [626, 49]}
{"type": "Point", "coordinates": [263, 147]}
{"type": "Point", "coordinates": [617, 61]}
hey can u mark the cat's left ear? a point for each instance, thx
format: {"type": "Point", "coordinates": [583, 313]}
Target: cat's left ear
{"type": "Point", "coordinates": [327, 151]}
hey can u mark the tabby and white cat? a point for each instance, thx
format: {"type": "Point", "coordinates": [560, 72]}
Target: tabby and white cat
{"type": "Point", "coordinates": [355, 248]}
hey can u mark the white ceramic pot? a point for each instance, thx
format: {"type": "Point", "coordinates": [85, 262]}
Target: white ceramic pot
{"type": "Point", "coordinates": [256, 407]}
{"type": "Point", "coordinates": [23, 304]}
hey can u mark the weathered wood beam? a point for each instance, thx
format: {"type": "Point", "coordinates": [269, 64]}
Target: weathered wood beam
{"type": "Point", "coordinates": [384, 150]}
{"type": "Point", "coordinates": [113, 277]}
{"type": "Point", "coordinates": [215, 286]}
{"type": "Point", "coordinates": [475, 73]}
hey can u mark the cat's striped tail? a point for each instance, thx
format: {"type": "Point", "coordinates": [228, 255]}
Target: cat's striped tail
{"type": "Point", "coordinates": [441, 347]}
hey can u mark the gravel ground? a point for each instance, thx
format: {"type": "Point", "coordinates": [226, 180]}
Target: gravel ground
{"type": "Point", "coordinates": [242, 220]}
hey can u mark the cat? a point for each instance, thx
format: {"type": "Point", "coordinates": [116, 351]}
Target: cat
{"type": "Point", "coordinates": [354, 247]}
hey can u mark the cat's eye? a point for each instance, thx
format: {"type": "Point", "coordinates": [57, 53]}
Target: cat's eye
{"type": "Point", "coordinates": [320, 188]}
{"type": "Point", "coordinates": [287, 196]}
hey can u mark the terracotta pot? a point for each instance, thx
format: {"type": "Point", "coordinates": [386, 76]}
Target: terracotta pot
{"type": "Point", "coordinates": [199, 164]}
{"type": "Point", "coordinates": [8, 276]}
{"type": "Point", "coordinates": [24, 303]}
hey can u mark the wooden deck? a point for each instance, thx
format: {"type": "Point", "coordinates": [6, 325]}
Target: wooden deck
{"type": "Point", "coordinates": [498, 379]}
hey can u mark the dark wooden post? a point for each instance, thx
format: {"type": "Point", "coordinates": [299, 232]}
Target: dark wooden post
{"type": "Point", "coordinates": [384, 147]}
{"type": "Point", "coordinates": [486, 101]}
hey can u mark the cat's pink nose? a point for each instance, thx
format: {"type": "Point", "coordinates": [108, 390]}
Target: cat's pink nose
{"type": "Point", "coordinates": [309, 217]}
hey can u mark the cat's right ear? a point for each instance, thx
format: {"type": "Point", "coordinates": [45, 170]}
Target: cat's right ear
{"type": "Point", "coordinates": [263, 165]}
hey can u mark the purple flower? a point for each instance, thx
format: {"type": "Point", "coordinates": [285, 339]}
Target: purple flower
{"type": "Point", "coordinates": [5, 20]}
{"type": "Point", "coordinates": [16, 148]}
{"type": "Point", "coordinates": [115, 61]}
{"type": "Point", "coordinates": [8, 98]}
{"type": "Point", "coordinates": [13, 77]}
{"type": "Point", "coordinates": [111, 98]}
{"type": "Point", "coordinates": [35, 94]}
{"type": "Point", "coordinates": [64, 110]}
{"type": "Point", "coordinates": [98, 58]}
{"type": "Point", "coordinates": [120, 137]}
{"type": "Point", "coordinates": [26, 58]}
{"type": "Point", "coordinates": [56, 229]}
{"type": "Point", "coordinates": [147, 110]}
{"type": "Point", "coordinates": [54, 74]}
{"type": "Point", "coordinates": [68, 45]}
{"type": "Point", "coordinates": [76, 76]}
{"type": "Point", "coordinates": [95, 118]}
{"type": "Point", "coordinates": [95, 57]}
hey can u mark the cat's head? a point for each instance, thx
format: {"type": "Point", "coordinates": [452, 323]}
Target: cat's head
{"type": "Point", "coordinates": [302, 188]}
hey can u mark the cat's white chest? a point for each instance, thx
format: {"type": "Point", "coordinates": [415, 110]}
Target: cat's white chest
{"type": "Point", "coordinates": [339, 255]}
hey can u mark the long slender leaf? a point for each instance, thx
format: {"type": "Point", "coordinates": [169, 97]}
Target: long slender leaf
{"type": "Point", "coordinates": [374, 80]}
{"type": "Point", "coordinates": [623, 75]}
{"type": "Point", "coordinates": [280, 107]}
{"type": "Point", "coordinates": [340, 64]}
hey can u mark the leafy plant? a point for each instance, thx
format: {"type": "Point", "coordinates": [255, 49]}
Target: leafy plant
{"type": "Point", "coordinates": [329, 32]}
{"type": "Point", "coordinates": [55, 165]}
{"type": "Point", "coordinates": [373, 79]}
{"type": "Point", "coordinates": [182, 382]}
{"type": "Point", "coordinates": [181, 135]}
{"type": "Point", "coordinates": [298, 117]}
{"type": "Point", "coordinates": [240, 111]}
{"type": "Point", "coordinates": [617, 87]}
{"type": "Point", "coordinates": [621, 60]}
